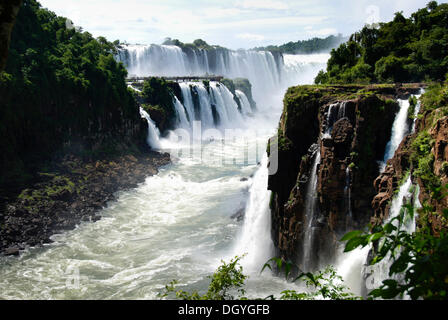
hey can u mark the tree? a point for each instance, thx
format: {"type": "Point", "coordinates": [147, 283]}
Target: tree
{"type": "Point", "coordinates": [8, 13]}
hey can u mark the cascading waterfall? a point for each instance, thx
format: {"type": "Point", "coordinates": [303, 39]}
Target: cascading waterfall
{"type": "Point", "coordinates": [153, 138]}
{"type": "Point", "coordinates": [226, 105]}
{"type": "Point", "coordinates": [348, 196]}
{"type": "Point", "coordinates": [215, 106]}
{"type": "Point", "coordinates": [256, 233]}
{"type": "Point", "coordinates": [399, 129]}
{"type": "Point", "coordinates": [310, 214]}
{"type": "Point", "coordinates": [376, 274]}
{"type": "Point", "coordinates": [336, 111]}
{"type": "Point", "coordinates": [266, 72]}
{"type": "Point", "coordinates": [417, 109]}
{"type": "Point", "coordinates": [182, 121]}
{"type": "Point", "coordinates": [245, 104]}
{"type": "Point", "coordinates": [355, 262]}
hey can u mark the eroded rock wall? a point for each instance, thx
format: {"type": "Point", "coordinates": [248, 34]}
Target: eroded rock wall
{"type": "Point", "coordinates": [350, 127]}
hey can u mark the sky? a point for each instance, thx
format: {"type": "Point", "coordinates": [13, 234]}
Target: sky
{"type": "Point", "coordinates": [230, 23]}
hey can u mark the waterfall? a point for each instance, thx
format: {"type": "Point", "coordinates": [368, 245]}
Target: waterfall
{"type": "Point", "coordinates": [400, 129]}
{"type": "Point", "coordinates": [310, 215]}
{"type": "Point", "coordinates": [355, 261]}
{"type": "Point", "coordinates": [266, 72]}
{"type": "Point", "coordinates": [153, 133]}
{"type": "Point", "coordinates": [376, 274]}
{"type": "Point", "coordinates": [336, 111]}
{"type": "Point", "coordinates": [188, 100]}
{"type": "Point", "coordinates": [417, 109]}
{"type": "Point", "coordinates": [245, 104]}
{"type": "Point", "coordinates": [348, 195]}
{"type": "Point", "coordinates": [182, 121]}
{"type": "Point", "coordinates": [215, 106]}
{"type": "Point", "coordinates": [226, 105]}
{"type": "Point", "coordinates": [255, 239]}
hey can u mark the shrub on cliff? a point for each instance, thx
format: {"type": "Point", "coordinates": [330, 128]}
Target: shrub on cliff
{"type": "Point", "coordinates": [158, 95]}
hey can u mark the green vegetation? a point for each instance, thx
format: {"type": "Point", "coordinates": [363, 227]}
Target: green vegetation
{"type": "Point", "coordinates": [229, 279]}
{"type": "Point", "coordinates": [412, 105]}
{"type": "Point", "coordinates": [435, 97]}
{"type": "Point", "coordinates": [157, 95]}
{"type": "Point", "coordinates": [244, 86]}
{"type": "Point", "coordinates": [62, 91]}
{"type": "Point", "coordinates": [421, 258]}
{"type": "Point", "coordinates": [403, 50]}
{"type": "Point", "coordinates": [306, 46]}
{"type": "Point", "coordinates": [422, 160]}
{"type": "Point", "coordinates": [197, 44]}
{"type": "Point", "coordinates": [59, 187]}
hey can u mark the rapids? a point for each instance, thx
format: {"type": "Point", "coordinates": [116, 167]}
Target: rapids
{"type": "Point", "coordinates": [177, 224]}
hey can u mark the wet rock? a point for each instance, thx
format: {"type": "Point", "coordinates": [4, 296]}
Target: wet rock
{"type": "Point", "coordinates": [78, 191]}
{"type": "Point", "coordinates": [12, 251]}
{"type": "Point", "coordinates": [239, 215]}
{"type": "Point", "coordinates": [349, 154]}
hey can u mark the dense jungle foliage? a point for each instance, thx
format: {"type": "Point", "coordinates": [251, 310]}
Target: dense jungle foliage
{"type": "Point", "coordinates": [410, 49]}
{"type": "Point", "coordinates": [62, 90]}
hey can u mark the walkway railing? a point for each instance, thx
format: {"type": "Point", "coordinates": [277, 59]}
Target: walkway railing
{"type": "Point", "coordinates": [180, 79]}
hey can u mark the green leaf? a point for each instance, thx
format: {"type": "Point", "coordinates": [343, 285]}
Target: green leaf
{"type": "Point", "coordinates": [351, 235]}
{"type": "Point", "coordinates": [355, 243]}
{"type": "Point", "coordinates": [375, 236]}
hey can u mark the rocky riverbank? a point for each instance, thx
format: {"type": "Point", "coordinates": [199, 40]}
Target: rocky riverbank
{"type": "Point", "coordinates": [68, 193]}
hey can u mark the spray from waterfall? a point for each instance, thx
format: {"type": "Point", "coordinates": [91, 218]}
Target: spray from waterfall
{"type": "Point", "coordinates": [255, 239]}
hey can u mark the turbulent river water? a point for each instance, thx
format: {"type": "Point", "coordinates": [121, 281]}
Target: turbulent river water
{"type": "Point", "coordinates": [175, 225]}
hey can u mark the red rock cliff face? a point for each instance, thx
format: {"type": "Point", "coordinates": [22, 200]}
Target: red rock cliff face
{"type": "Point", "coordinates": [402, 163]}
{"type": "Point", "coordinates": [350, 127]}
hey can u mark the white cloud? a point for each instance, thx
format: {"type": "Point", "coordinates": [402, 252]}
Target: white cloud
{"type": "Point", "coordinates": [250, 36]}
{"type": "Point", "coordinates": [263, 4]}
{"type": "Point", "coordinates": [323, 32]}
{"type": "Point", "coordinates": [278, 21]}
{"type": "Point", "coordinates": [274, 21]}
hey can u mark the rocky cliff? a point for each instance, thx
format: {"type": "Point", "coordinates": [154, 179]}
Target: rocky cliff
{"type": "Point", "coordinates": [424, 156]}
{"type": "Point", "coordinates": [347, 129]}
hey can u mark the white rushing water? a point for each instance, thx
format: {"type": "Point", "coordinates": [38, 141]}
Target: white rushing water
{"type": "Point", "coordinates": [153, 138]}
{"type": "Point", "coordinates": [266, 72]}
{"type": "Point", "coordinates": [177, 224]}
{"type": "Point", "coordinates": [400, 129]}
{"type": "Point", "coordinates": [310, 214]}
{"type": "Point", "coordinates": [376, 274]}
